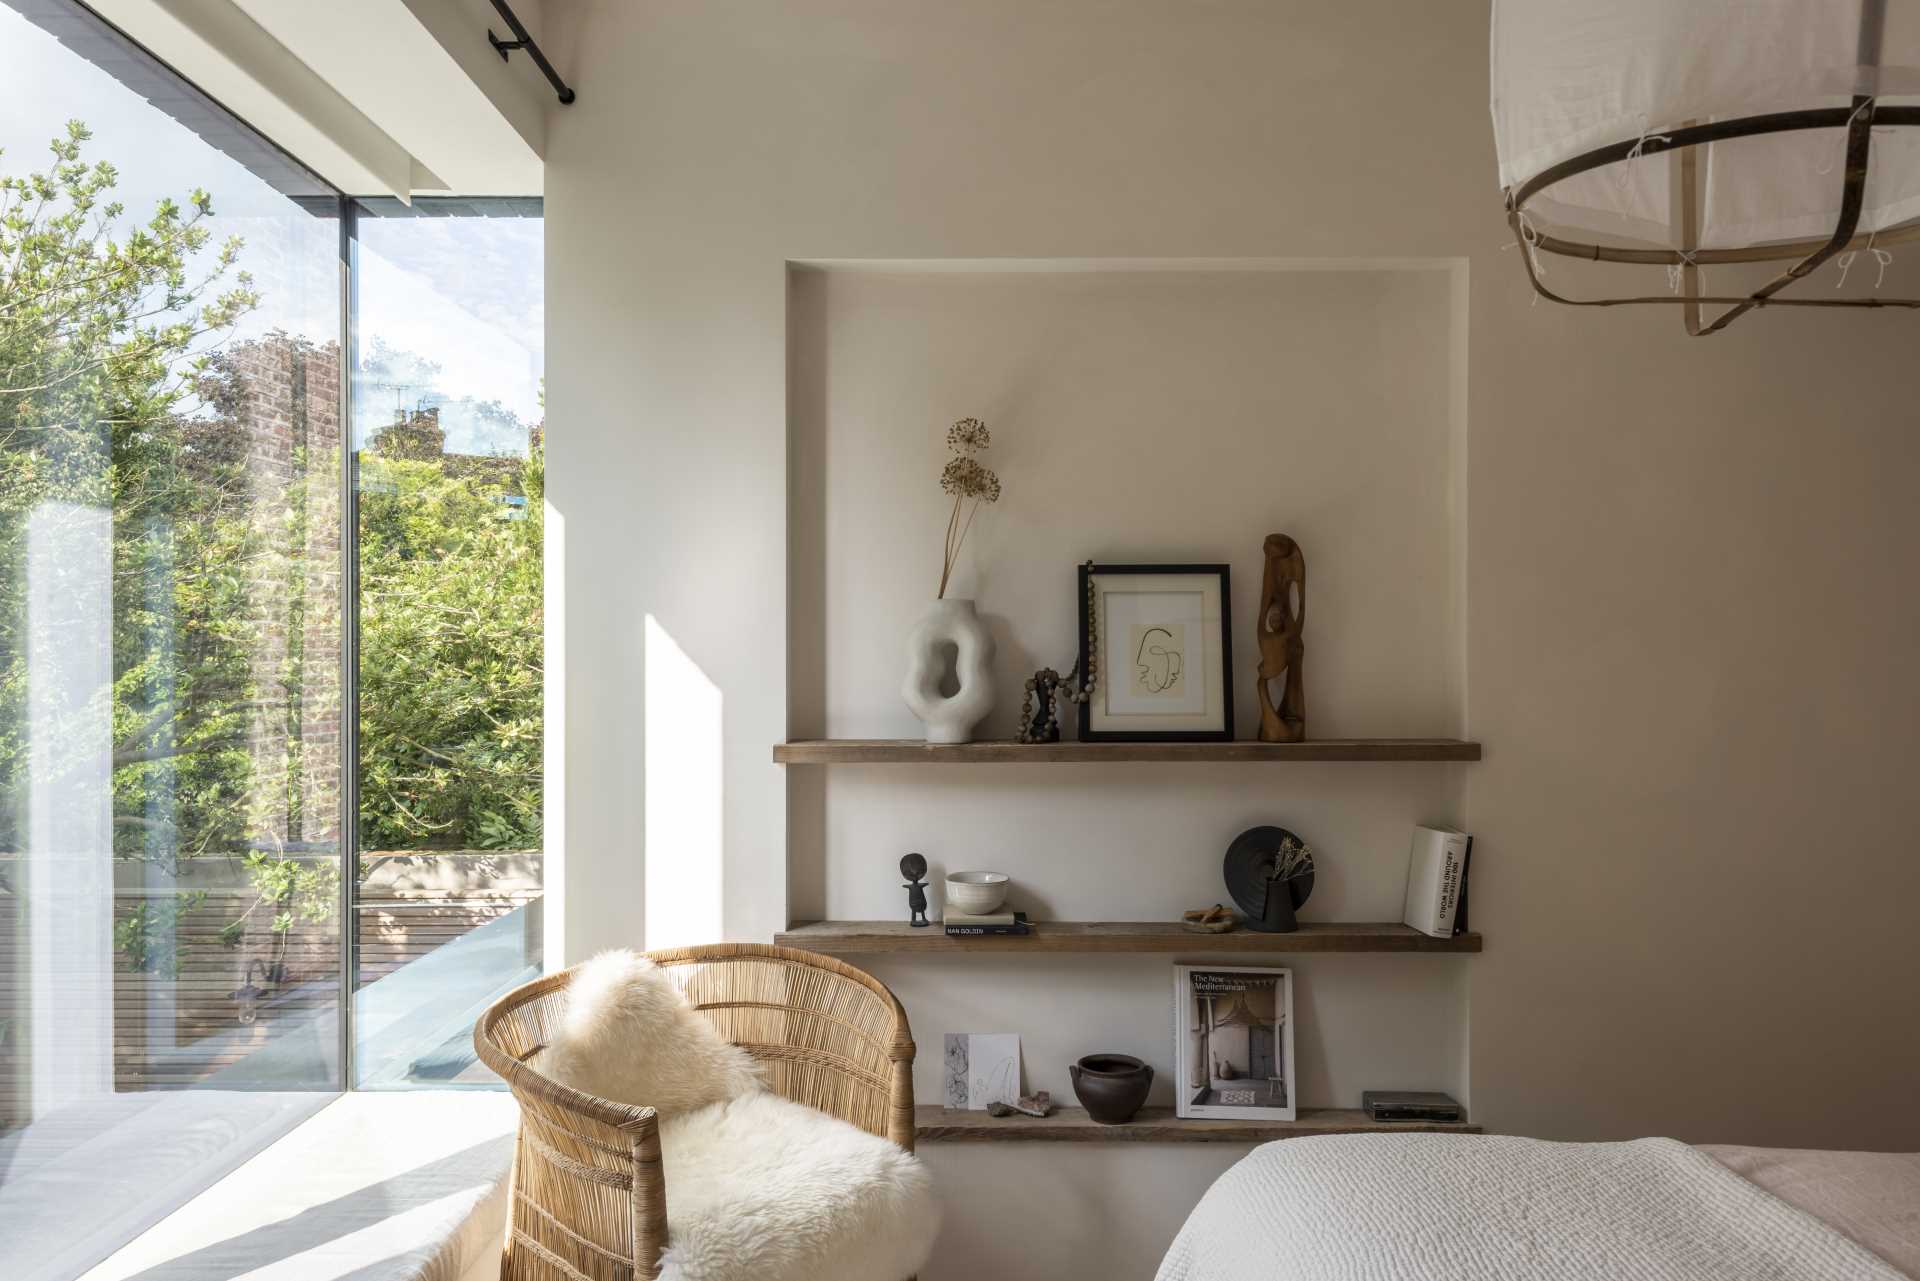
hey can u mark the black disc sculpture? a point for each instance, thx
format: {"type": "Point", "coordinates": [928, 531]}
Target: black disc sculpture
{"type": "Point", "coordinates": [1269, 873]}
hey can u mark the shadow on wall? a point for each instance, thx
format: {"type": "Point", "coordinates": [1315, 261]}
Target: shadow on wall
{"type": "Point", "coordinates": [684, 825]}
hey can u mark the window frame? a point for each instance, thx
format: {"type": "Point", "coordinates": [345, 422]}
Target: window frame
{"type": "Point", "coordinates": [92, 37]}
{"type": "Point", "coordinates": [353, 210]}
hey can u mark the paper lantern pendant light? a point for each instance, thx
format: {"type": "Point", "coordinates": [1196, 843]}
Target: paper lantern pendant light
{"type": "Point", "coordinates": [1686, 134]}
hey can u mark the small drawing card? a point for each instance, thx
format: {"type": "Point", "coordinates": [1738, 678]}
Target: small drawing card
{"type": "Point", "coordinates": [981, 1068]}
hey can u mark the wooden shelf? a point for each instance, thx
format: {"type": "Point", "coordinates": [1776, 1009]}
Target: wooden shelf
{"type": "Point", "coordinates": [908, 751]}
{"type": "Point", "coordinates": [1152, 1125]}
{"type": "Point", "coordinates": [840, 938]}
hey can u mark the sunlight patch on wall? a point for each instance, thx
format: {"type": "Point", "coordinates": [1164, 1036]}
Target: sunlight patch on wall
{"type": "Point", "coordinates": [553, 805]}
{"type": "Point", "coordinates": [683, 796]}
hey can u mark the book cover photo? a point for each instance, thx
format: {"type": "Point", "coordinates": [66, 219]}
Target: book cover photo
{"type": "Point", "coordinates": [1233, 1043]}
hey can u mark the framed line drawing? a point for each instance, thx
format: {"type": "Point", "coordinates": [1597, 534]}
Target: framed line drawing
{"type": "Point", "coordinates": [1158, 638]}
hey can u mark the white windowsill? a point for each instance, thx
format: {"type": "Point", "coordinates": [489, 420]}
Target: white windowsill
{"type": "Point", "coordinates": [400, 1186]}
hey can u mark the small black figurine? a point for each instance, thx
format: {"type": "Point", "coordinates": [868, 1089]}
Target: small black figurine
{"type": "Point", "coordinates": [914, 868]}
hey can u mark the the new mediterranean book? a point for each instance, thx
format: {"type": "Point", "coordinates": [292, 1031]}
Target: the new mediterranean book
{"type": "Point", "coordinates": [1437, 881]}
{"type": "Point", "coordinates": [1233, 1042]}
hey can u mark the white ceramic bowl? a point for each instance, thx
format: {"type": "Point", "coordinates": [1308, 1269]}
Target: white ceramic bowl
{"type": "Point", "coordinates": [976, 892]}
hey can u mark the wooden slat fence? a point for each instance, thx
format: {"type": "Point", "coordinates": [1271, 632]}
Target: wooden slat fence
{"type": "Point", "coordinates": [173, 1031]}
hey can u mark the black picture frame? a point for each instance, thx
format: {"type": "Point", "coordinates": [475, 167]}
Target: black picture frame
{"type": "Point", "coordinates": [1224, 734]}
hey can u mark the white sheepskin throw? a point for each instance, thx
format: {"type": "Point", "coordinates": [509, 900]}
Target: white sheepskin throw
{"type": "Point", "coordinates": [629, 1035]}
{"type": "Point", "coordinates": [759, 1188]}
{"type": "Point", "coordinates": [768, 1189]}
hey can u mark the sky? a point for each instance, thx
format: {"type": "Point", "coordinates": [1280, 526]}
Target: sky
{"type": "Point", "coordinates": [462, 294]}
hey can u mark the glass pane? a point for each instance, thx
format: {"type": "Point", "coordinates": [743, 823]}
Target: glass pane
{"type": "Point", "coordinates": [448, 433]}
{"type": "Point", "coordinates": [170, 554]}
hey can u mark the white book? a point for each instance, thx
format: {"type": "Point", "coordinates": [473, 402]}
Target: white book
{"type": "Point", "coordinates": [1436, 878]}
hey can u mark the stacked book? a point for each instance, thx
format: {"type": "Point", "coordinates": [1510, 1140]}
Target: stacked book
{"type": "Point", "coordinates": [968, 924]}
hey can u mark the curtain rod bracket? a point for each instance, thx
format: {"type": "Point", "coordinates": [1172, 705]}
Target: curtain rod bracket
{"type": "Point", "coordinates": [521, 40]}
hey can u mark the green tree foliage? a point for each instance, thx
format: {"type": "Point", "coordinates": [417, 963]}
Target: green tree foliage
{"type": "Point", "coordinates": [450, 644]}
{"type": "Point", "coordinates": [116, 397]}
{"type": "Point", "coordinates": [101, 346]}
{"type": "Point", "coordinates": [148, 936]}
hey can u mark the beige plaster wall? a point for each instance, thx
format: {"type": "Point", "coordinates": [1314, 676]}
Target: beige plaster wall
{"type": "Point", "coordinates": [1143, 412]}
{"type": "Point", "coordinates": [1688, 592]}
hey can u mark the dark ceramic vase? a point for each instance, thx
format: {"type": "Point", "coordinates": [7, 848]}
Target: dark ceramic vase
{"type": "Point", "coordinates": [1111, 1087]}
{"type": "Point", "coordinates": [1279, 917]}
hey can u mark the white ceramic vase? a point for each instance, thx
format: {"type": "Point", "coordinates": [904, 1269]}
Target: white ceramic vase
{"type": "Point", "coordinates": [949, 718]}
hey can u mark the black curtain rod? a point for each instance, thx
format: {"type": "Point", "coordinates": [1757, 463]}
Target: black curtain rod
{"type": "Point", "coordinates": [521, 40]}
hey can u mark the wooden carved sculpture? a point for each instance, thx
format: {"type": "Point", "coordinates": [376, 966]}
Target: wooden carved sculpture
{"type": "Point", "coordinates": [1283, 617]}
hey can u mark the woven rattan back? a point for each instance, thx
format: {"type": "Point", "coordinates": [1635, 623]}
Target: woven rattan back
{"type": "Point", "coordinates": [589, 1196]}
{"type": "Point", "coordinates": [825, 1034]}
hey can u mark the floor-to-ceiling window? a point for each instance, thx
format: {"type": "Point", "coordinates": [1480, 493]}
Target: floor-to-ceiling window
{"type": "Point", "coordinates": [170, 569]}
{"type": "Point", "coordinates": [449, 434]}
{"type": "Point", "coordinates": [270, 716]}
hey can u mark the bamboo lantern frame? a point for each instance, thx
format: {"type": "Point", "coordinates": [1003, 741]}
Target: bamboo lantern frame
{"type": "Point", "coordinates": [1689, 179]}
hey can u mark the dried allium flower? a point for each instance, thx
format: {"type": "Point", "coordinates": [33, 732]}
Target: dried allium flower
{"type": "Point", "coordinates": [968, 478]}
{"type": "Point", "coordinates": [965, 478]}
{"type": "Point", "coordinates": [968, 436]}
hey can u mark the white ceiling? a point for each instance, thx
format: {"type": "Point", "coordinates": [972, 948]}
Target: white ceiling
{"type": "Point", "coordinates": [380, 97]}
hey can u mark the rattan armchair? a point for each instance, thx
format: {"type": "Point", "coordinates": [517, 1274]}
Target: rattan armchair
{"type": "Point", "coordinates": [589, 1194]}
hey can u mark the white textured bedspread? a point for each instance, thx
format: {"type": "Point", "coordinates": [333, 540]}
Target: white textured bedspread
{"type": "Point", "coordinates": [1441, 1207]}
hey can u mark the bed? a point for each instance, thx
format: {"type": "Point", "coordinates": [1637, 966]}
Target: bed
{"type": "Point", "coordinates": [1448, 1207]}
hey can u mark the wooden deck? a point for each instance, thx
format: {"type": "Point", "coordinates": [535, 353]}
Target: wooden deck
{"type": "Point", "coordinates": [176, 1031]}
{"type": "Point", "coordinates": [407, 908]}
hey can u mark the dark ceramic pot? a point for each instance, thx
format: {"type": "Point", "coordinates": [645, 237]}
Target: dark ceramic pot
{"type": "Point", "coordinates": [1111, 1087]}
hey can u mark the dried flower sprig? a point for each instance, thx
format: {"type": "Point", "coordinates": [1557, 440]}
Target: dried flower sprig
{"type": "Point", "coordinates": [1293, 860]}
{"type": "Point", "coordinates": [970, 482]}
